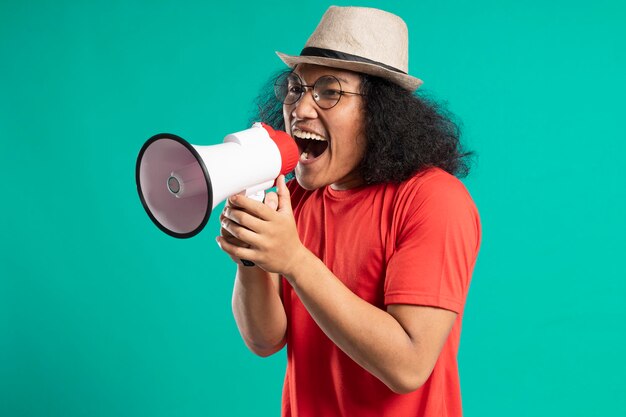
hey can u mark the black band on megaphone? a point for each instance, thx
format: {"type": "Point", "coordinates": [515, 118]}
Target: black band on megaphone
{"type": "Point", "coordinates": [191, 149]}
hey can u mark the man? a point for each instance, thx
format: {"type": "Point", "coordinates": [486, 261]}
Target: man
{"type": "Point", "coordinates": [363, 263]}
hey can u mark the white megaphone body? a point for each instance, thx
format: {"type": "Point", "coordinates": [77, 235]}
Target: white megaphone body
{"type": "Point", "coordinates": [179, 183]}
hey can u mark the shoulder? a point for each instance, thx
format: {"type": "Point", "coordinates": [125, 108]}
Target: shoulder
{"type": "Point", "coordinates": [431, 180]}
{"type": "Point", "coordinates": [435, 186]}
{"type": "Point", "coordinates": [435, 195]}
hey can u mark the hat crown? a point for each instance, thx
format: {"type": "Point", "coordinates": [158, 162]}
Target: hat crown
{"type": "Point", "coordinates": [369, 33]}
{"type": "Point", "coordinates": [360, 39]}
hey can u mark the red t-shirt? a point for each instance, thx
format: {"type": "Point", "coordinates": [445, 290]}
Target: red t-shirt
{"type": "Point", "coordinates": [412, 243]}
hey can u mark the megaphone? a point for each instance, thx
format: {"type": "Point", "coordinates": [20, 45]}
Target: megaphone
{"type": "Point", "coordinates": [179, 184]}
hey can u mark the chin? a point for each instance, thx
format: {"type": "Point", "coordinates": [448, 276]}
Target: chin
{"type": "Point", "coordinates": [307, 183]}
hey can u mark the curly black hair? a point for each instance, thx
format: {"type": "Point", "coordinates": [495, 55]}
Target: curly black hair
{"type": "Point", "coordinates": [405, 132]}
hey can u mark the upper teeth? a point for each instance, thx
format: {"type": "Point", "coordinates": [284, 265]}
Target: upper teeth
{"type": "Point", "coordinates": [307, 135]}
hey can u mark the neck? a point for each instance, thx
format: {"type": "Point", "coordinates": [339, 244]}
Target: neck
{"type": "Point", "coordinates": [347, 184]}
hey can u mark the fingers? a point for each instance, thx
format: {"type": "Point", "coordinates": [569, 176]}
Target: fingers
{"type": "Point", "coordinates": [253, 207]}
{"type": "Point", "coordinates": [246, 236]}
{"type": "Point", "coordinates": [228, 240]}
{"type": "Point", "coordinates": [243, 218]}
{"type": "Point", "coordinates": [233, 240]}
{"type": "Point", "coordinates": [223, 232]}
{"type": "Point", "coordinates": [271, 200]}
{"type": "Point", "coordinates": [284, 198]}
{"type": "Point", "coordinates": [236, 252]}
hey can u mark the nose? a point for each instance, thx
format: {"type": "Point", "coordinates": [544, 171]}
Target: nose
{"type": "Point", "coordinates": [305, 108]}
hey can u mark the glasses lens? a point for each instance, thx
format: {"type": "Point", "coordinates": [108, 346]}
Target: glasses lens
{"type": "Point", "coordinates": [327, 91]}
{"type": "Point", "coordinates": [288, 88]}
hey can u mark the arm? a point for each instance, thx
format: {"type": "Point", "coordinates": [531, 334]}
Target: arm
{"type": "Point", "coordinates": [259, 311]}
{"type": "Point", "coordinates": [399, 346]}
{"type": "Point", "coordinates": [257, 305]}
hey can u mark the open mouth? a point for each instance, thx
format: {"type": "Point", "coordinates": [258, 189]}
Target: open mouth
{"type": "Point", "coordinates": [310, 145]}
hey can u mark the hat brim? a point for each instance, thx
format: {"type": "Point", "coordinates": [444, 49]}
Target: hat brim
{"type": "Point", "coordinates": [405, 81]}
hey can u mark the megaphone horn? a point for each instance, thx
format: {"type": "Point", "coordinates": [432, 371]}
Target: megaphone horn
{"type": "Point", "coordinates": [180, 183]}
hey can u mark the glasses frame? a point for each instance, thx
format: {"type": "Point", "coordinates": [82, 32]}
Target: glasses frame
{"type": "Point", "coordinates": [316, 97]}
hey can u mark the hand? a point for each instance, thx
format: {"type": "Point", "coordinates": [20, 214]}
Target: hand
{"type": "Point", "coordinates": [271, 200]}
{"type": "Point", "coordinates": [228, 237]}
{"type": "Point", "coordinates": [262, 234]}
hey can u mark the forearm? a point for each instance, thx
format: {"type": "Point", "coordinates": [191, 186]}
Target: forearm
{"type": "Point", "coordinates": [370, 336]}
{"type": "Point", "coordinates": [259, 311]}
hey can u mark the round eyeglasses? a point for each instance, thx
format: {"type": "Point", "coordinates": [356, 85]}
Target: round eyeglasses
{"type": "Point", "coordinates": [326, 91]}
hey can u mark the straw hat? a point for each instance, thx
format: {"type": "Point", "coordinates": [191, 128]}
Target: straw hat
{"type": "Point", "coordinates": [361, 39]}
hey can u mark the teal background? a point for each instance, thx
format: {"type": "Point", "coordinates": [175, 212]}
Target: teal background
{"type": "Point", "coordinates": [101, 314]}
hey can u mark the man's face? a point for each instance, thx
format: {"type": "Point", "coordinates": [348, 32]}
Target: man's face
{"type": "Point", "coordinates": [340, 127]}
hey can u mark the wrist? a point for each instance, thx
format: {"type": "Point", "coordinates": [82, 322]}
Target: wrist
{"type": "Point", "coordinates": [297, 263]}
{"type": "Point", "coordinates": [250, 274]}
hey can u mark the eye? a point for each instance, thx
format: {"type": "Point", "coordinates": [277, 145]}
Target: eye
{"type": "Point", "coordinates": [330, 93]}
{"type": "Point", "coordinates": [296, 89]}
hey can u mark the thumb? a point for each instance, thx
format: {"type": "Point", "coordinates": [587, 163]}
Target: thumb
{"type": "Point", "coordinates": [271, 200]}
{"type": "Point", "coordinates": [284, 198]}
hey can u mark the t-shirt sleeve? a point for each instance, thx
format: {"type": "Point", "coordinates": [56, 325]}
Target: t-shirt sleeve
{"type": "Point", "coordinates": [437, 235]}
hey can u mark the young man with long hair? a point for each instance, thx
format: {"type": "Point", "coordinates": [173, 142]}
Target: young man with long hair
{"type": "Point", "coordinates": [363, 262]}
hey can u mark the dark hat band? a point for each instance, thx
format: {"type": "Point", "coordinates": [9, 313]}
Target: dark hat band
{"type": "Point", "coordinates": [329, 53]}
